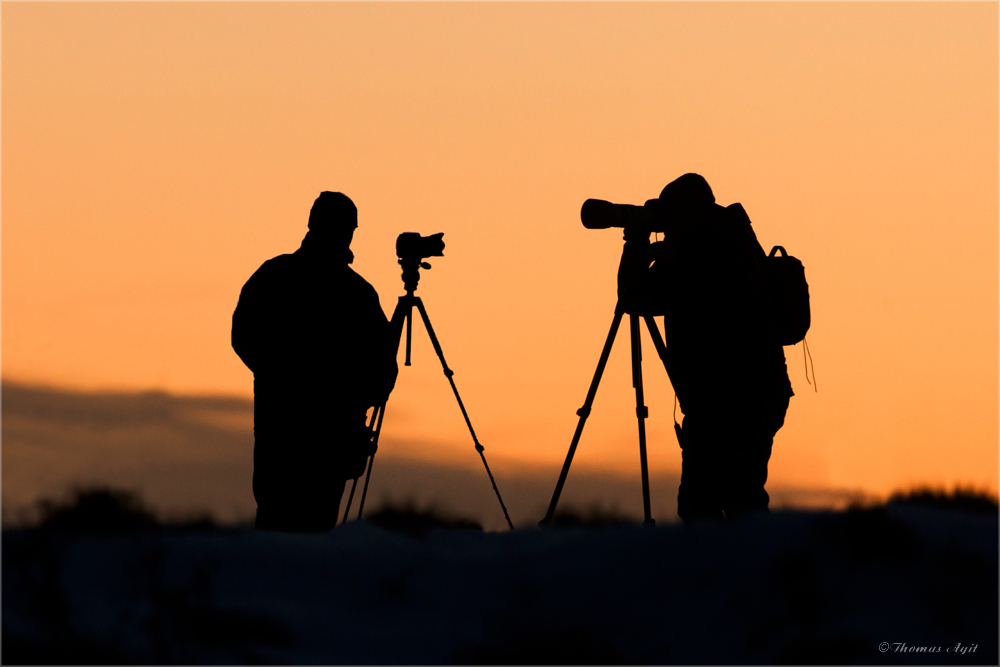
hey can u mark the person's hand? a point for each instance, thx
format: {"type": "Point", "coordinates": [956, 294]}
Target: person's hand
{"type": "Point", "coordinates": [636, 235]}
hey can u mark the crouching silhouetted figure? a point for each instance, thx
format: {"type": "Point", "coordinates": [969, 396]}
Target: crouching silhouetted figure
{"type": "Point", "coordinates": [315, 336]}
{"type": "Point", "coordinates": [723, 359]}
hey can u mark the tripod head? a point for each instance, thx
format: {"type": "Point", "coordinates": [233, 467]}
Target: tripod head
{"type": "Point", "coordinates": [412, 249]}
{"type": "Point", "coordinates": [411, 273]}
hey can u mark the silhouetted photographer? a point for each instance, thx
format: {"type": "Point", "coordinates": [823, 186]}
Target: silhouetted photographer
{"type": "Point", "coordinates": [315, 336]}
{"type": "Point", "coordinates": [710, 279]}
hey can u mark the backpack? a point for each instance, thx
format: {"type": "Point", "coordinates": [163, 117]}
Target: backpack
{"type": "Point", "coordinates": [787, 295]}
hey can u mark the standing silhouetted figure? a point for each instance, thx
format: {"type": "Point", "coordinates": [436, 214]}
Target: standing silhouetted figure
{"type": "Point", "coordinates": [724, 362]}
{"type": "Point", "coordinates": [314, 334]}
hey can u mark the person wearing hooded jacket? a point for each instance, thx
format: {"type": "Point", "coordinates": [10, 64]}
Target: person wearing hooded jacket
{"type": "Point", "coordinates": [315, 336]}
{"type": "Point", "coordinates": [707, 278]}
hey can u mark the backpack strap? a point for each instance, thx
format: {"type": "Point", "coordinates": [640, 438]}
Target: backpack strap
{"type": "Point", "coordinates": [738, 217]}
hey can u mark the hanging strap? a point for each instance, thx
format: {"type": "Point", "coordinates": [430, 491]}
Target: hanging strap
{"type": "Point", "coordinates": [806, 354]}
{"type": "Point", "coordinates": [677, 427]}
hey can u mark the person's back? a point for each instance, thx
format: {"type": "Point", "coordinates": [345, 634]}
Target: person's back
{"type": "Point", "coordinates": [720, 345]}
{"type": "Point", "coordinates": [722, 357]}
{"type": "Point", "coordinates": [314, 334]}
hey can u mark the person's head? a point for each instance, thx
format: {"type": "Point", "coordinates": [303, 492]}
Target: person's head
{"type": "Point", "coordinates": [333, 219]}
{"type": "Point", "coordinates": [689, 193]}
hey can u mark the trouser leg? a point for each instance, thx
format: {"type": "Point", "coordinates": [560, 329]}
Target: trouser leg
{"type": "Point", "coordinates": [698, 496]}
{"type": "Point", "coordinates": [745, 474]}
{"type": "Point", "coordinates": [305, 513]}
{"type": "Point", "coordinates": [750, 454]}
{"type": "Point", "coordinates": [725, 454]}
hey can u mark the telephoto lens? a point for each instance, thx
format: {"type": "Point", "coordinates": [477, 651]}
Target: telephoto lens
{"type": "Point", "coordinates": [600, 214]}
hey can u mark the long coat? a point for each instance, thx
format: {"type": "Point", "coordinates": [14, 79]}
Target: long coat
{"type": "Point", "coordinates": [315, 336]}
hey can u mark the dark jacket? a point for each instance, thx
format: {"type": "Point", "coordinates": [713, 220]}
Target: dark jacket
{"type": "Point", "coordinates": [314, 334]}
{"type": "Point", "coordinates": [706, 278]}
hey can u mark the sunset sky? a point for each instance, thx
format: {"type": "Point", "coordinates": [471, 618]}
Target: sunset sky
{"type": "Point", "coordinates": [155, 154]}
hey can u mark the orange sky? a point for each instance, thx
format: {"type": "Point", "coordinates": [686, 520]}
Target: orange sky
{"type": "Point", "coordinates": [155, 154]}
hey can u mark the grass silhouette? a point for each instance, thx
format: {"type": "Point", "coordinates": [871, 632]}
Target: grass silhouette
{"type": "Point", "coordinates": [418, 523]}
{"type": "Point", "coordinates": [963, 499]}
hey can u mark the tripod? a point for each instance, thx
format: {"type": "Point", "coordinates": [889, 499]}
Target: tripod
{"type": "Point", "coordinates": [641, 411]}
{"type": "Point", "coordinates": [404, 313]}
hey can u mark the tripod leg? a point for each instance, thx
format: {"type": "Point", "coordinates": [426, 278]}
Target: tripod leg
{"type": "Point", "coordinates": [409, 334]}
{"type": "Point", "coordinates": [354, 486]}
{"type": "Point", "coordinates": [404, 311]}
{"type": "Point", "coordinates": [641, 412]}
{"type": "Point", "coordinates": [371, 460]}
{"type": "Point", "coordinates": [448, 374]}
{"type": "Point", "coordinates": [654, 333]}
{"type": "Point", "coordinates": [347, 510]}
{"type": "Point", "coordinates": [400, 317]}
{"type": "Point", "coordinates": [583, 413]}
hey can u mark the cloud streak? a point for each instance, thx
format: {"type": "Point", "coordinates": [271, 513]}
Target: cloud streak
{"type": "Point", "coordinates": [188, 455]}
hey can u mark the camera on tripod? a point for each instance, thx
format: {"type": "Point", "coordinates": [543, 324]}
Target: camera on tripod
{"type": "Point", "coordinates": [412, 249]}
{"type": "Point", "coordinates": [600, 214]}
{"type": "Point", "coordinates": [638, 222]}
{"type": "Point", "coordinates": [413, 246]}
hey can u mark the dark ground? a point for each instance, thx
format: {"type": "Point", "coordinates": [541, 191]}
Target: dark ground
{"type": "Point", "coordinates": [102, 582]}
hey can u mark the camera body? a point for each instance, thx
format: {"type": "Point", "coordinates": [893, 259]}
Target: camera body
{"type": "Point", "coordinates": [414, 247]}
{"type": "Point", "coordinates": [600, 214]}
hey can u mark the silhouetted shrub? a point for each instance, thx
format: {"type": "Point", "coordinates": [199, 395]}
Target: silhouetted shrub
{"type": "Point", "coordinates": [97, 511]}
{"type": "Point", "coordinates": [103, 511]}
{"type": "Point", "coordinates": [595, 517]}
{"type": "Point", "coordinates": [417, 523]}
{"type": "Point", "coordinates": [961, 499]}
{"type": "Point", "coordinates": [192, 522]}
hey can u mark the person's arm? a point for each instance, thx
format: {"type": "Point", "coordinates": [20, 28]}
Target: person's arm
{"type": "Point", "coordinates": [242, 333]}
{"type": "Point", "coordinates": [379, 349]}
{"type": "Point", "coordinates": [386, 367]}
{"type": "Point", "coordinates": [253, 321]}
{"type": "Point", "coordinates": [633, 271]}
